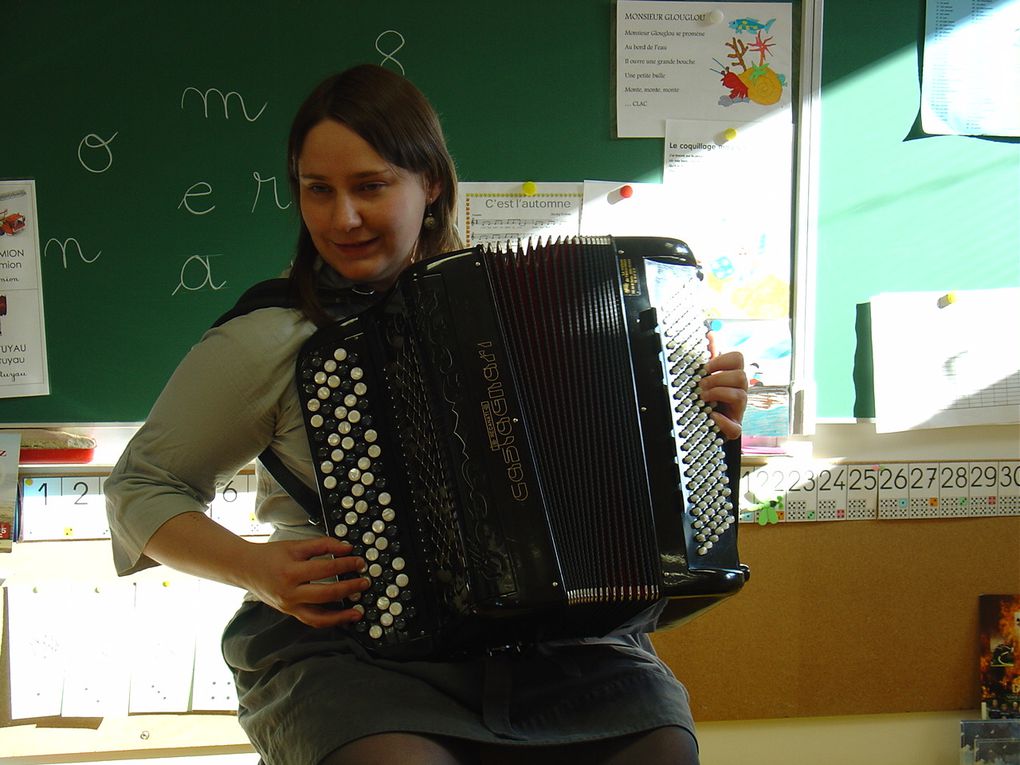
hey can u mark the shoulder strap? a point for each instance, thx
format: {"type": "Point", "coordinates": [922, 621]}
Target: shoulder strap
{"type": "Point", "coordinates": [299, 491]}
{"type": "Point", "coordinates": [272, 293]}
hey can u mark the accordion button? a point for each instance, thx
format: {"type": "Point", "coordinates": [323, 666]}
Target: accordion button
{"type": "Point", "coordinates": [323, 393]}
{"type": "Point", "coordinates": [320, 377]}
{"type": "Point", "coordinates": [371, 436]}
{"type": "Point", "coordinates": [378, 526]}
{"type": "Point", "coordinates": [340, 412]}
{"type": "Point", "coordinates": [326, 467]}
{"type": "Point", "coordinates": [351, 518]}
{"type": "Point", "coordinates": [360, 389]}
{"type": "Point", "coordinates": [374, 451]}
{"type": "Point", "coordinates": [401, 580]}
{"type": "Point", "coordinates": [333, 381]}
{"type": "Point", "coordinates": [375, 632]}
{"type": "Point", "coordinates": [368, 538]}
{"type": "Point", "coordinates": [334, 440]}
{"type": "Point", "coordinates": [329, 482]}
{"type": "Point", "coordinates": [702, 551]}
{"type": "Point", "coordinates": [386, 620]}
{"type": "Point", "coordinates": [313, 405]}
{"type": "Point", "coordinates": [359, 608]}
{"type": "Point", "coordinates": [371, 554]}
{"type": "Point", "coordinates": [316, 421]}
{"type": "Point", "coordinates": [347, 443]}
{"type": "Point", "coordinates": [396, 609]}
{"type": "Point", "coordinates": [398, 564]}
{"type": "Point", "coordinates": [357, 373]}
{"type": "Point", "coordinates": [354, 416]}
{"type": "Point", "coordinates": [357, 490]}
{"type": "Point", "coordinates": [350, 400]}
{"type": "Point", "coordinates": [329, 366]}
{"type": "Point", "coordinates": [382, 603]}
{"type": "Point", "coordinates": [375, 570]}
{"type": "Point", "coordinates": [361, 506]}
{"type": "Point", "coordinates": [340, 531]}
{"type": "Point", "coordinates": [364, 463]}
{"type": "Point", "coordinates": [340, 354]}
{"type": "Point", "coordinates": [336, 455]}
{"type": "Point", "coordinates": [392, 591]}
{"type": "Point", "coordinates": [382, 543]}
{"type": "Point", "coordinates": [384, 499]}
{"type": "Point", "coordinates": [367, 478]}
{"type": "Point", "coordinates": [388, 514]}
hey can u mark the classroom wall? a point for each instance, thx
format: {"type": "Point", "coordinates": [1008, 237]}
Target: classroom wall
{"type": "Point", "coordinates": [811, 654]}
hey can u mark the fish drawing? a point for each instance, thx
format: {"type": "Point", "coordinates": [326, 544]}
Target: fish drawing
{"type": "Point", "coordinates": [750, 25]}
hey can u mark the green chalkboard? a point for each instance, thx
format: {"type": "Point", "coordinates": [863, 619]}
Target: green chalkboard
{"type": "Point", "coordinates": [104, 108]}
{"type": "Point", "coordinates": [154, 131]}
{"type": "Point", "coordinates": [898, 210]}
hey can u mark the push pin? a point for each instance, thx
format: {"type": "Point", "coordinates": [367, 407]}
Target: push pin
{"type": "Point", "coordinates": [947, 300]}
{"type": "Point", "coordinates": [627, 191]}
{"type": "Point", "coordinates": [530, 188]}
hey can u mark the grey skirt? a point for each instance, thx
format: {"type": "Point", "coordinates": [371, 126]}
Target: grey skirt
{"type": "Point", "coordinates": [304, 692]}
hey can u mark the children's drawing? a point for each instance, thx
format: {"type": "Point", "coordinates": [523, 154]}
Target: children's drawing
{"type": "Point", "coordinates": [746, 79]}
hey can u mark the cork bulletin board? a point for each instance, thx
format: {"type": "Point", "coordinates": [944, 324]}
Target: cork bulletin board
{"type": "Point", "coordinates": [844, 618]}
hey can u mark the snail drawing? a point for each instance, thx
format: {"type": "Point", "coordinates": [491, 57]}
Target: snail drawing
{"type": "Point", "coordinates": [757, 83]}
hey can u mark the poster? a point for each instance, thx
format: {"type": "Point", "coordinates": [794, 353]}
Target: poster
{"type": "Point", "coordinates": [23, 369]}
{"type": "Point", "coordinates": [691, 60]}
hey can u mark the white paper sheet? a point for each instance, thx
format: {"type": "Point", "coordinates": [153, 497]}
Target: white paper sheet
{"type": "Point", "coordinates": [696, 60]}
{"type": "Point", "coordinates": [946, 359]}
{"type": "Point", "coordinates": [733, 180]}
{"type": "Point", "coordinates": [495, 213]}
{"type": "Point", "coordinates": [35, 623]}
{"type": "Point", "coordinates": [95, 620]}
{"type": "Point", "coordinates": [970, 80]}
{"type": "Point", "coordinates": [163, 642]}
{"type": "Point", "coordinates": [213, 685]}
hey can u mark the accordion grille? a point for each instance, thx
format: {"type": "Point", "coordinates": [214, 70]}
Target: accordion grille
{"type": "Point", "coordinates": [430, 493]}
{"type": "Point", "coordinates": [561, 311]}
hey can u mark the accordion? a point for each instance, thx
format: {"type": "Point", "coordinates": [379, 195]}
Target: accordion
{"type": "Point", "coordinates": [514, 442]}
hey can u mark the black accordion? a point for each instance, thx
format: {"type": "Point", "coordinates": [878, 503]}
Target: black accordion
{"type": "Point", "coordinates": [514, 442]}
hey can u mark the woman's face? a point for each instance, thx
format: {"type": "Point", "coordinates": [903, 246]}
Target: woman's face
{"type": "Point", "coordinates": [364, 214]}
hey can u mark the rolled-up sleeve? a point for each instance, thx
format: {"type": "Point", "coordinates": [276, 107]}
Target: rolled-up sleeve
{"type": "Point", "coordinates": [218, 411]}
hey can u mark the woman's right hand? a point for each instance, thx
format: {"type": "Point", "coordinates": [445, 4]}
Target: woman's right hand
{"type": "Point", "coordinates": [286, 575]}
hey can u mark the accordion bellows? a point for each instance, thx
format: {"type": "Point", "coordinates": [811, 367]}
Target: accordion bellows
{"type": "Point", "coordinates": [514, 441]}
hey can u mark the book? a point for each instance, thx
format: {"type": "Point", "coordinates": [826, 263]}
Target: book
{"type": "Point", "coordinates": [999, 622]}
{"type": "Point", "coordinates": [10, 448]}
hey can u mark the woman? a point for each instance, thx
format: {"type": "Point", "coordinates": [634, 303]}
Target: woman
{"type": "Point", "coordinates": [376, 188]}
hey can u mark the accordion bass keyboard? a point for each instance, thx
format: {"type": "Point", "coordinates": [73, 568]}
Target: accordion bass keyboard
{"type": "Point", "coordinates": [514, 441]}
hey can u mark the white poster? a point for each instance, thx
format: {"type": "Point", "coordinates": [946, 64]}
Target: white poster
{"type": "Point", "coordinates": [497, 213]}
{"type": "Point", "coordinates": [970, 80]}
{"type": "Point", "coordinates": [691, 60]}
{"type": "Point", "coordinates": [23, 370]}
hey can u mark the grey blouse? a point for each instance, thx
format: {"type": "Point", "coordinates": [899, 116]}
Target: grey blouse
{"type": "Point", "coordinates": [304, 692]}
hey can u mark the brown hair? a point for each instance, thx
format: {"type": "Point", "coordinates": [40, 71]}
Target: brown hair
{"type": "Point", "coordinates": [393, 116]}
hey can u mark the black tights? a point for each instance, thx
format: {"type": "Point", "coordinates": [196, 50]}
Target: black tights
{"type": "Point", "coordinates": [661, 746]}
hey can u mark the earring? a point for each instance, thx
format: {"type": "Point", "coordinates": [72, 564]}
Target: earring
{"type": "Point", "coordinates": [430, 222]}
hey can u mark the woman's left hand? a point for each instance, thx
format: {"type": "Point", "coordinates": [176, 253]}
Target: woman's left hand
{"type": "Point", "coordinates": [725, 385]}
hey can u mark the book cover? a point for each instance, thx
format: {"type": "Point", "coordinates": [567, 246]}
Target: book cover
{"type": "Point", "coordinates": [10, 447]}
{"type": "Point", "coordinates": [999, 617]}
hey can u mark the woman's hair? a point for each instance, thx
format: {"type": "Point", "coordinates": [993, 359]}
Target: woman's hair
{"type": "Point", "coordinates": [396, 120]}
